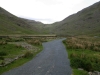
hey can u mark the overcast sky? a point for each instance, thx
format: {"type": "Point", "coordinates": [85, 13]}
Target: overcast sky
{"type": "Point", "coordinates": [46, 11]}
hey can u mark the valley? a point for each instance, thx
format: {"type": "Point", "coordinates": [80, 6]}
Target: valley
{"type": "Point", "coordinates": [23, 39]}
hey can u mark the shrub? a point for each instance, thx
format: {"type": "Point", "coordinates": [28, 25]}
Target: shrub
{"type": "Point", "coordinates": [73, 55]}
{"type": "Point", "coordinates": [77, 62]}
{"type": "Point", "coordinates": [2, 63]}
{"type": "Point", "coordinates": [79, 72]}
{"type": "Point", "coordinates": [35, 42]}
{"type": "Point", "coordinates": [3, 53]}
{"type": "Point", "coordinates": [3, 42]}
{"type": "Point", "coordinates": [84, 61]}
{"type": "Point", "coordinates": [18, 46]}
{"type": "Point", "coordinates": [1, 58]}
{"type": "Point", "coordinates": [14, 39]}
{"type": "Point", "coordinates": [28, 54]}
{"type": "Point", "coordinates": [80, 43]}
{"type": "Point", "coordinates": [81, 59]}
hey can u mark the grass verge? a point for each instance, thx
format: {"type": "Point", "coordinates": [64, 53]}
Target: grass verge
{"type": "Point", "coordinates": [79, 72]}
{"type": "Point", "coordinates": [21, 61]}
{"type": "Point", "coordinates": [14, 64]}
{"type": "Point", "coordinates": [82, 54]}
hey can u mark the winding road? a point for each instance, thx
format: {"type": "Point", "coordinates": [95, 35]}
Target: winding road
{"type": "Point", "coordinates": [53, 60]}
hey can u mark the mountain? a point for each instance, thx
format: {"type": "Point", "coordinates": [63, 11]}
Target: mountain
{"type": "Point", "coordinates": [10, 24]}
{"type": "Point", "coordinates": [84, 22]}
{"type": "Point", "coordinates": [39, 27]}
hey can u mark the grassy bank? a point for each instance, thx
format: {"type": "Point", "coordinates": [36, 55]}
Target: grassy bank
{"type": "Point", "coordinates": [10, 51]}
{"type": "Point", "coordinates": [79, 72]}
{"type": "Point", "coordinates": [83, 52]}
{"type": "Point", "coordinates": [17, 63]}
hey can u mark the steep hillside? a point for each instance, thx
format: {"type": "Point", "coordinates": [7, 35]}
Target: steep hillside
{"type": "Point", "coordinates": [39, 27]}
{"type": "Point", "coordinates": [85, 22]}
{"type": "Point", "coordinates": [10, 24]}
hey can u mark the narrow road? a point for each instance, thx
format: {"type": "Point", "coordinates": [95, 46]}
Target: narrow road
{"type": "Point", "coordinates": [53, 60]}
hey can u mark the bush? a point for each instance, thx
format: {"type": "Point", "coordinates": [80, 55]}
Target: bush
{"type": "Point", "coordinates": [77, 43]}
{"type": "Point", "coordinates": [81, 63]}
{"type": "Point", "coordinates": [76, 62]}
{"type": "Point", "coordinates": [80, 57]}
{"type": "Point", "coordinates": [84, 61]}
{"type": "Point", "coordinates": [18, 46]}
{"type": "Point", "coordinates": [35, 42]}
{"type": "Point", "coordinates": [3, 42]}
{"type": "Point", "coordinates": [14, 39]}
{"type": "Point", "coordinates": [28, 54]}
{"type": "Point", "coordinates": [79, 72]}
{"type": "Point", "coordinates": [1, 58]}
{"type": "Point", "coordinates": [2, 63]}
{"type": "Point", "coordinates": [2, 53]}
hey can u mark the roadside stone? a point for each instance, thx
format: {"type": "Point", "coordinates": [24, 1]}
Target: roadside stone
{"type": "Point", "coordinates": [16, 58]}
{"type": "Point", "coordinates": [90, 73]}
{"type": "Point", "coordinates": [94, 73]}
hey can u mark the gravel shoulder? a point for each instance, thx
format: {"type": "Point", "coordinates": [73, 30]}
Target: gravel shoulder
{"type": "Point", "coordinates": [53, 60]}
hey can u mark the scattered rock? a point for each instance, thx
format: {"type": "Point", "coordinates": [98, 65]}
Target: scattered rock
{"type": "Point", "coordinates": [90, 73]}
{"type": "Point", "coordinates": [94, 73]}
{"type": "Point", "coordinates": [16, 58]}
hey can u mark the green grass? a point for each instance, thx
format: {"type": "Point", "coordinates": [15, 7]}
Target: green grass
{"type": "Point", "coordinates": [88, 53]}
{"type": "Point", "coordinates": [8, 50]}
{"type": "Point", "coordinates": [9, 25]}
{"type": "Point", "coordinates": [14, 64]}
{"type": "Point", "coordinates": [79, 72]}
{"type": "Point", "coordinates": [11, 50]}
{"type": "Point", "coordinates": [19, 62]}
{"type": "Point", "coordinates": [87, 59]}
{"type": "Point", "coordinates": [80, 57]}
